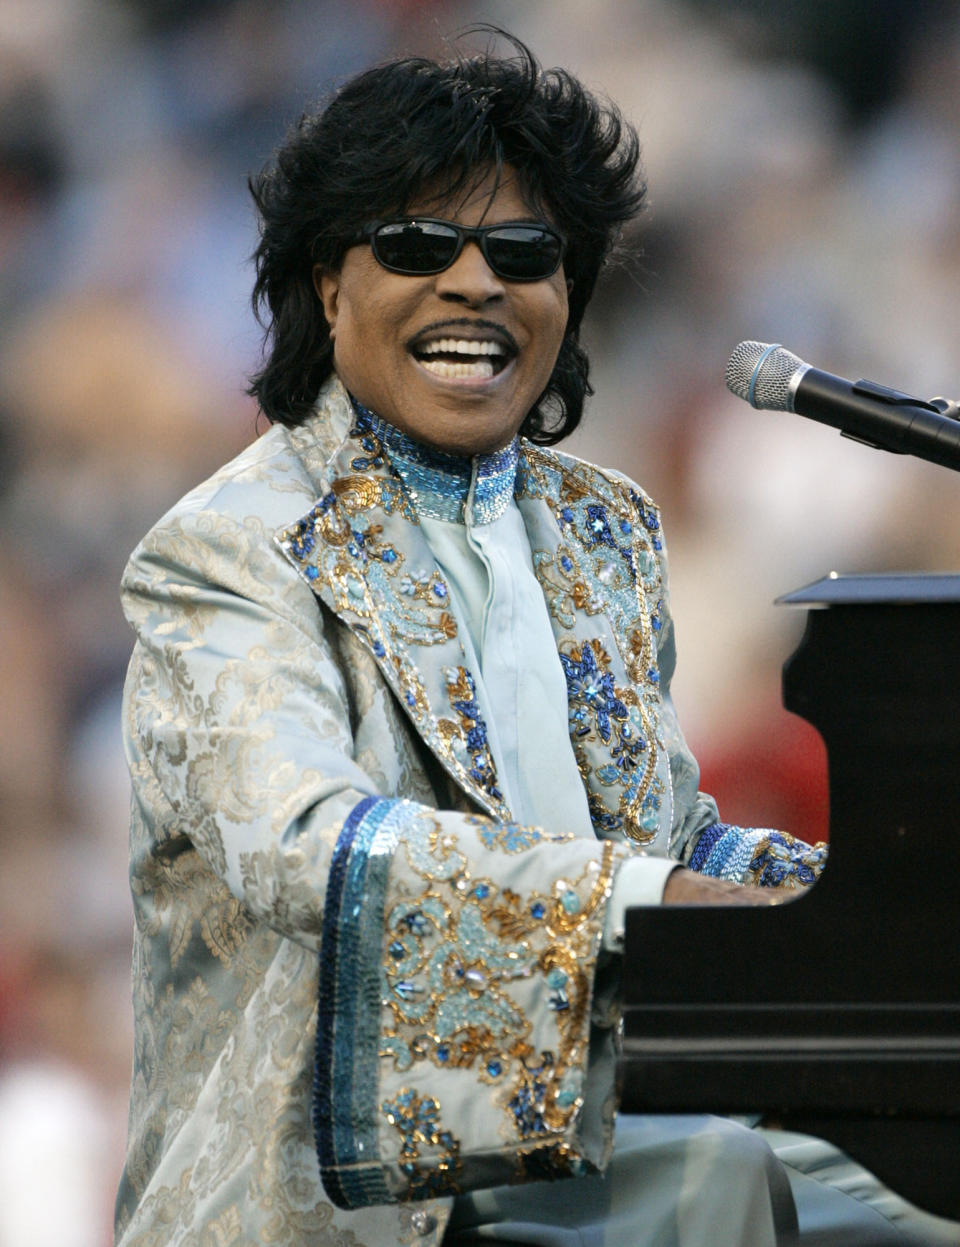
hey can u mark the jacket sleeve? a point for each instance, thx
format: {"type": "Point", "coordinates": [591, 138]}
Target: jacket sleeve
{"type": "Point", "coordinates": [698, 838]}
{"type": "Point", "coordinates": [457, 954]}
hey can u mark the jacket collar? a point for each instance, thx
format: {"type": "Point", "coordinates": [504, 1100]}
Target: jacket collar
{"type": "Point", "coordinates": [444, 486]}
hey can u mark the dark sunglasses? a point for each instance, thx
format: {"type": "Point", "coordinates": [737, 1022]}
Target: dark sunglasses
{"type": "Point", "coordinates": [422, 245]}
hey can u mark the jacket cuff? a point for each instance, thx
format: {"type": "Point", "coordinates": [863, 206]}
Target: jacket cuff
{"type": "Point", "coordinates": [456, 980]}
{"type": "Point", "coordinates": [640, 880]}
{"type": "Point", "coordinates": [769, 859]}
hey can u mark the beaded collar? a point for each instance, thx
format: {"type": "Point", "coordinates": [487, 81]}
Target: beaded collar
{"type": "Point", "coordinates": [442, 485]}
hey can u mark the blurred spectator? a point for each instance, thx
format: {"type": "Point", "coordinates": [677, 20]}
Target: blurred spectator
{"type": "Point", "coordinates": [60, 1140]}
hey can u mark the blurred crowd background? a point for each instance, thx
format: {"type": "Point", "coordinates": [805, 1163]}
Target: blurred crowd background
{"type": "Point", "coordinates": [804, 164]}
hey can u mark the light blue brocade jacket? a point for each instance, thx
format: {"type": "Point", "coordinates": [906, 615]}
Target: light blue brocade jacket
{"type": "Point", "coordinates": [351, 967]}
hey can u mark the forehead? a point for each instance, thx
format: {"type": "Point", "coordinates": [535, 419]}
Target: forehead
{"type": "Point", "coordinates": [484, 195]}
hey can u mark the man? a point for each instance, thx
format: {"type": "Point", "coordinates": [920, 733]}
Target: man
{"type": "Point", "coordinates": [399, 726]}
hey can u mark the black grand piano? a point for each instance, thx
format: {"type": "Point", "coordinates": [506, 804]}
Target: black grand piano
{"type": "Point", "coordinates": [837, 1013]}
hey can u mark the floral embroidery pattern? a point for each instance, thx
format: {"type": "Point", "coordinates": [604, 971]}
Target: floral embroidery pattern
{"type": "Point", "coordinates": [598, 710]}
{"type": "Point", "coordinates": [417, 1119]}
{"type": "Point", "coordinates": [607, 564]}
{"type": "Point", "coordinates": [459, 961]}
{"type": "Point", "coordinates": [593, 700]}
{"type": "Point", "coordinates": [618, 566]}
{"type": "Point", "coordinates": [566, 591]}
{"type": "Point", "coordinates": [470, 739]}
{"type": "Point", "coordinates": [515, 838]}
{"type": "Point", "coordinates": [339, 547]}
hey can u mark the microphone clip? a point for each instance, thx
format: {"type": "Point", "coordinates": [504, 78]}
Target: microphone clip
{"type": "Point", "coordinates": [947, 407]}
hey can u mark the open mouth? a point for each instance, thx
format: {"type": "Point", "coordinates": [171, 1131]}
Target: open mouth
{"type": "Point", "coordinates": [454, 358]}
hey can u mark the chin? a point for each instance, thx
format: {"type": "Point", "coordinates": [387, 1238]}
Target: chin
{"type": "Point", "coordinates": [464, 432]}
{"type": "Point", "coordinates": [471, 442]}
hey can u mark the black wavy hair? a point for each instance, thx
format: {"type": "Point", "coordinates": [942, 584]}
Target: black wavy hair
{"type": "Point", "coordinates": [411, 125]}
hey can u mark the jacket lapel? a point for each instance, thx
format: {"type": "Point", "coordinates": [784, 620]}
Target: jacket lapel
{"type": "Point", "coordinates": [362, 552]}
{"type": "Point", "coordinates": [596, 551]}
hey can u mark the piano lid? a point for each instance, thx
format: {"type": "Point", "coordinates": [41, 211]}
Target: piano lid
{"type": "Point", "coordinates": [869, 589]}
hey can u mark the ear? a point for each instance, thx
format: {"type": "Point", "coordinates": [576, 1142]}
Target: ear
{"type": "Point", "coordinates": [327, 286]}
{"type": "Point", "coordinates": [569, 285]}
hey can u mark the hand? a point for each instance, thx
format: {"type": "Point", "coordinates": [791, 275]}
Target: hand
{"type": "Point", "coordinates": [686, 887]}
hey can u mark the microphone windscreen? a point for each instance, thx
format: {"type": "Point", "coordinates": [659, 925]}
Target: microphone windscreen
{"type": "Point", "coordinates": [761, 374]}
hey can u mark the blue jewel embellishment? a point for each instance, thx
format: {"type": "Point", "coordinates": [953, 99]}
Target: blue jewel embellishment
{"type": "Point", "coordinates": [599, 526]}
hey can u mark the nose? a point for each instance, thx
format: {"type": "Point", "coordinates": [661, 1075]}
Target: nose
{"type": "Point", "coordinates": [470, 279]}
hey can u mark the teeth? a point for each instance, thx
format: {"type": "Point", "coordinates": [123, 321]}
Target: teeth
{"type": "Point", "coordinates": [441, 368]}
{"type": "Point", "coordinates": [460, 346]}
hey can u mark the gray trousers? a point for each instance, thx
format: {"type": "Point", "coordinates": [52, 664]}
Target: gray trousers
{"type": "Point", "coordinates": [703, 1182]}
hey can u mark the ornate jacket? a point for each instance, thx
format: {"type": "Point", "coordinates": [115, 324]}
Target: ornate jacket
{"type": "Point", "coordinates": [359, 985]}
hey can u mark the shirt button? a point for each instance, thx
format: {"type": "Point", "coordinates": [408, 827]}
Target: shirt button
{"type": "Point", "coordinates": [423, 1222]}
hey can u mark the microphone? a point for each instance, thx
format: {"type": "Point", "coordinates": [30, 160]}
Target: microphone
{"type": "Point", "coordinates": [769, 377]}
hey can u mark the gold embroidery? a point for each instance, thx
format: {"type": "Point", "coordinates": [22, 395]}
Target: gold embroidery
{"type": "Point", "coordinates": [417, 1120]}
{"type": "Point", "coordinates": [455, 958]}
{"type": "Point", "coordinates": [357, 493]}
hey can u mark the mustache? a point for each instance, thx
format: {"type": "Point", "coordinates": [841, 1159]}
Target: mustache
{"type": "Point", "coordinates": [500, 332]}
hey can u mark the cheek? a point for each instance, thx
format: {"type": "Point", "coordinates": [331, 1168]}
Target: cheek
{"type": "Point", "coordinates": [374, 318]}
{"type": "Point", "coordinates": [358, 329]}
{"type": "Point", "coordinates": [552, 325]}
{"type": "Point", "coordinates": [556, 308]}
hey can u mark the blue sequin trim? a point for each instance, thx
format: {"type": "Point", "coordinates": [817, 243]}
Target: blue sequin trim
{"type": "Point", "coordinates": [345, 1071]}
{"type": "Point", "coordinates": [709, 838]}
{"type": "Point", "coordinates": [761, 856]}
{"type": "Point", "coordinates": [440, 483]}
